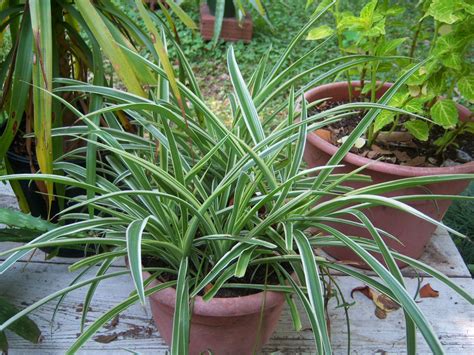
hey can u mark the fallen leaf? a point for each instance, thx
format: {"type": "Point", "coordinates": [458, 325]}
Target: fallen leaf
{"type": "Point", "coordinates": [396, 136]}
{"type": "Point", "coordinates": [365, 290]}
{"type": "Point", "coordinates": [380, 150]}
{"type": "Point", "coordinates": [380, 313]}
{"type": "Point", "coordinates": [113, 323]}
{"type": "Point", "coordinates": [383, 303]}
{"type": "Point", "coordinates": [359, 143]}
{"type": "Point", "coordinates": [324, 134]}
{"type": "Point", "coordinates": [416, 161]}
{"type": "Point", "coordinates": [426, 291]}
{"type": "Point", "coordinates": [401, 155]}
{"type": "Point", "coordinates": [105, 339]}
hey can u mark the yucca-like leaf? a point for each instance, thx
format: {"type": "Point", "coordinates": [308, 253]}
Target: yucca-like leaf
{"type": "Point", "coordinates": [244, 99]}
{"type": "Point", "coordinates": [219, 17]}
{"type": "Point", "coordinates": [43, 78]}
{"type": "Point", "coordinates": [19, 90]}
{"type": "Point", "coordinates": [161, 51]}
{"type": "Point", "coordinates": [134, 251]}
{"type": "Point", "coordinates": [315, 290]}
{"type": "Point", "coordinates": [401, 295]}
{"type": "Point", "coordinates": [109, 46]}
{"type": "Point", "coordinates": [181, 319]}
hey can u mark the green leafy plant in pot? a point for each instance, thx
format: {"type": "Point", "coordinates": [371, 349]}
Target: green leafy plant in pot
{"type": "Point", "coordinates": [201, 214]}
{"type": "Point", "coordinates": [397, 145]}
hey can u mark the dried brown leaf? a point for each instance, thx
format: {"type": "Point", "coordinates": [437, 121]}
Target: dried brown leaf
{"type": "Point", "coordinates": [105, 339]}
{"type": "Point", "coordinates": [365, 290]}
{"type": "Point", "coordinates": [417, 161]}
{"type": "Point", "coordinates": [383, 303]}
{"type": "Point", "coordinates": [427, 291]}
{"type": "Point", "coordinates": [324, 134]}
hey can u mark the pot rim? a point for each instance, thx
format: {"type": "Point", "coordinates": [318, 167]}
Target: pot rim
{"type": "Point", "coordinates": [232, 306]}
{"type": "Point", "coordinates": [393, 169]}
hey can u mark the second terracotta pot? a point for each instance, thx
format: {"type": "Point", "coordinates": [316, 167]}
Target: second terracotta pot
{"type": "Point", "coordinates": [235, 325]}
{"type": "Point", "coordinates": [412, 232]}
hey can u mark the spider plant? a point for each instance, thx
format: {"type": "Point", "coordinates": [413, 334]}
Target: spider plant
{"type": "Point", "coordinates": [214, 203]}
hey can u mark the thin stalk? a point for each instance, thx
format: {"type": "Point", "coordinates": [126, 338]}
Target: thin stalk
{"type": "Point", "coordinates": [395, 123]}
{"type": "Point", "coordinates": [339, 43]}
{"type": "Point", "coordinates": [414, 40]}
{"type": "Point", "coordinates": [435, 36]}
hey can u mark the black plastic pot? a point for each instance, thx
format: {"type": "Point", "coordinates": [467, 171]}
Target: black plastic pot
{"type": "Point", "coordinates": [229, 9]}
{"type": "Point", "coordinates": [38, 207]}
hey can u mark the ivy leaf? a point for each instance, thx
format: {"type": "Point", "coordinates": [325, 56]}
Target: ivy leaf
{"type": "Point", "coordinates": [388, 47]}
{"type": "Point", "coordinates": [448, 50]}
{"type": "Point", "coordinates": [444, 11]}
{"type": "Point", "coordinates": [445, 113]}
{"type": "Point", "coordinates": [377, 29]}
{"type": "Point", "coordinates": [319, 33]}
{"type": "Point", "coordinates": [386, 117]}
{"type": "Point", "coordinates": [469, 127]}
{"type": "Point", "coordinates": [419, 129]}
{"type": "Point", "coordinates": [383, 119]}
{"type": "Point", "coordinates": [415, 105]}
{"type": "Point", "coordinates": [452, 60]}
{"type": "Point", "coordinates": [444, 139]}
{"type": "Point", "coordinates": [367, 12]}
{"type": "Point", "coordinates": [466, 87]}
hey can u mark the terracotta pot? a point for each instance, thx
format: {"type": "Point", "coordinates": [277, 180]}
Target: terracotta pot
{"type": "Point", "coordinates": [412, 232]}
{"type": "Point", "coordinates": [222, 325]}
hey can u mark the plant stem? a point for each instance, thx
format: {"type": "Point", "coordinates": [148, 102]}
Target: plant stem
{"type": "Point", "coordinates": [339, 43]}
{"type": "Point", "coordinates": [395, 123]}
{"type": "Point", "coordinates": [435, 36]}
{"type": "Point", "coordinates": [415, 39]}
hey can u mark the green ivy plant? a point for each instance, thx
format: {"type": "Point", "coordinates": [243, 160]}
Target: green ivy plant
{"type": "Point", "coordinates": [364, 33]}
{"type": "Point", "coordinates": [446, 77]}
{"type": "Point", "coordinates": [437, 85]}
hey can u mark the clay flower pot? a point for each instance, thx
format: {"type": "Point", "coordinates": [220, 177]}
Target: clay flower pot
{"type": "Point", "coordinates": [413, 233]}
{"type": "Point", "coordinates": [230, 326]}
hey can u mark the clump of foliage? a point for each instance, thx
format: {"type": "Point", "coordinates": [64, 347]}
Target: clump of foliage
{"type": "Point", "coordinates": [433, 91]}
{"type": "Point", "coordinates": [213, 203]}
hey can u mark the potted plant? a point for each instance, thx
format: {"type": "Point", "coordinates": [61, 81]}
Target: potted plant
{"type": "Point", "coordinates": [228, 19]}
{"type": "Point", "coordinates": [70, 41]}
{"type": "Point", "coordinates": [431, 138]}
{"type": "Point", "coordinates": [201, 214]}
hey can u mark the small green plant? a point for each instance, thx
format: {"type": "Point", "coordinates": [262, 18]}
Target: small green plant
{"type": "Point", "coordinates": [446, 77]}
{"type": "Point", "coordinates": [214, 203]}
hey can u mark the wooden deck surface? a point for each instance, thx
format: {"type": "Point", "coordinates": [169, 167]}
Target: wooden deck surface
{"type": "Point", "coordinates": [451, 317]}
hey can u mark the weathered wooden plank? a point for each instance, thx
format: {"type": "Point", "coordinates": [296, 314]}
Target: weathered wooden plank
{"type": "Point", "coordinates": [451, 317]}
{"type": "Point", "coordinates": [440, 253]}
